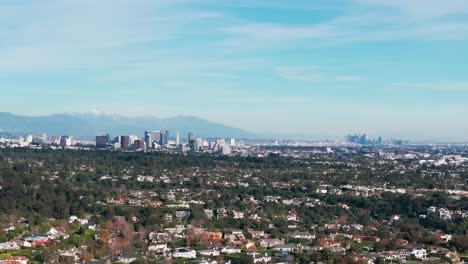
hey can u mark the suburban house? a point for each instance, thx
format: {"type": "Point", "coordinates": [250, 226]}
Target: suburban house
{"type": "Point", "coordinates": [184, 253]}
{"type": "Point", "coordinates": [209, 252]}
{"type": "Point", "coordinates": [261, 257]}
{"type": "Point", "coordinates": [270, 242]}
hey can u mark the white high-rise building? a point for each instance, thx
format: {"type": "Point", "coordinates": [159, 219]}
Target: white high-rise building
{"type": "Point", "coordinates": [219, 143]}
{"type": "Point", "coordinates": [29, 138]}
{"type": "Point", "coordinates": [233, 142]}
{"type": "Point", "coordinates": [225, 150]}
{"type": "Point", "coordinates": [66, 141]}
{"type": "Point", "coordinates": [198, 144]}
{"type": "Point", "coordinates": [177, 142]}
{"type": "Point", "coordinates": [132, 139]}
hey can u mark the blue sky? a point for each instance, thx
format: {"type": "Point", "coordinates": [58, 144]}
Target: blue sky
{"type": "Point", "coordinates": [310, 68]}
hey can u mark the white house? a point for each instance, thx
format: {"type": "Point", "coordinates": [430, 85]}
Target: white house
{"type": "Point", "coordinates": [158, 247]}
{"type": "Point", "coordinates": [209, 252]}
{"type": "Point", "coordinates": [127, 258]}
{"type": "Point", "coordinates": [419, 253]}
{"type": "Point", "coordinates": [260, 257]}
{"type": "Point", "coordinates": [184, 253]}
{"type": "Point", "coordinates": [230, 250]}
{"type": "Point", "coordinates": [57, 232]}
{"type": "Point", "coordinates": [8, 227]}
{"type": "Point", "coordinates": [270, 242]}
{"type": "Point", "coordinates": [9, 246]}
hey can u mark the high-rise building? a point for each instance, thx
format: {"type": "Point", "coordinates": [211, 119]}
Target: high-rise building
{"type": "Point", "coordinates": [101, 141]}
{"type": "Point", "coordinates": [132, 139]}
{"type": "Point", "coordinates": [198, 144]}
{"type": "Point", "coordinates": [164, 138]}
{"type": "Point", "coordinates": [233, 142]}
{"type": "Point", "coordinates": [219, 144]}
{"type": "Point", "coordinates": [29, 138]}
{"type": "Point", "coordinates": [191, 141]}
{"type": "Point", "coordinates": [55, 140]}
{"type": "Point", "coordinates": [124, 142]}
{"type": "Point", "coordinates": [156, 136]}
{"type": "Point", "coordinates": [139, 144]}
{"type": "Point", "coordinates": [177, 142]}
{"type": "Point", "coordinates": [148, 140]}
{"type": "Point", "coordinates": [66, 141]}
{"type": "Point", "coordinates": [225, 150]}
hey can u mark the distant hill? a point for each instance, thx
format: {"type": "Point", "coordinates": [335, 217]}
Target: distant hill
{"type": "Point", "coordinates": [83, 125]}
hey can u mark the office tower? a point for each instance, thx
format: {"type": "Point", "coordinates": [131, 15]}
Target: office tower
{"type": "Point", "coordinates": [55, 140]}
{"type": "Point", "coordinates": [182, 148]}
{"type": "Point", "coordinates": [139, 144]}
{"type": "Point", "coordinates": [364, 140]}
{"type": "Point", "coordinates": [380, 140]}
{"type": "Point", "coordinates": [148, 140]}
{"type": "Point", "coordinates": [198, 144]}
{"type": "Point", "coordinates": [132, 139]}
{"type": "Point", "coordinates": [29, 138]}
{"type": "Point", "coordinates": [164, 138]}
{"type": "Point", "coordinates": [219, 143]}
{"type": "Point", "coordinates": [44, 137]}
{"type": "Point", "coordinates": [177, 138]}
{"type": "Point", "coordinates": [124, 142]}
{"type": "Point", "coordinates": [101, 141]}
{"type": "Point", "coordinates": [233, 142]}
{"type": "Point", "coordinates": [156, 136]}
{"type": "Point", "coordinates": [66, 141]}
{"type": "Point", "coordinates": [225, 150]}
{"type": "Point", "coordinates": [191, 142]}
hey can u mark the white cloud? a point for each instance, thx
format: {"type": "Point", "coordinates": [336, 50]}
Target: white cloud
{"type": "Point", "coordinates": [89, 34]}
{"type": "Point", "coordinates": [298, 73]}
{"type": "Point", "coordinates": [350, 78]}
{"type": "Point", "coordinates": [423, 9]}
{"type": "Point", "coordinates": [441, 86]}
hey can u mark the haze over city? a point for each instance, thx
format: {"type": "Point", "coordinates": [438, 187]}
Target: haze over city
{"type": "Point", "coordinates": [301, 69]}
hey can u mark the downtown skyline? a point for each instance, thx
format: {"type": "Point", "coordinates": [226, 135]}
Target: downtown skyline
{"type": "Point", "coordinates": [305, 69]}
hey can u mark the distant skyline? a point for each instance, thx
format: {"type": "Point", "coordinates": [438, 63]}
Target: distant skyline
{"type": "Point", "coordinates": [305, 69]}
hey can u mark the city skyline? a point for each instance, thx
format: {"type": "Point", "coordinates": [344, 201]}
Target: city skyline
{"type": "Point", "coordinates": [303, 69]}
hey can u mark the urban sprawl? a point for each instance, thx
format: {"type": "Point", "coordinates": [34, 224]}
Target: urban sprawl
{"type": "Point", "coordinates": [162, 199]}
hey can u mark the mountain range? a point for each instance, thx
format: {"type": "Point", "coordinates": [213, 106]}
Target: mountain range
{"type": "Point", "coordinates": [88, 125]}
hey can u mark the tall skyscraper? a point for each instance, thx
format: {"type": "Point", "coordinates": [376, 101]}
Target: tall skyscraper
{"type": "Point", "coordinates": [177, 142]}
{"type": "Point", "coordinates": [101, 141]}
{"type": "Point", "coordinates": [191, 141]}
{"type": "Point", "coordinates": [66, 141]}
{"type": "Point", "coordinates": [156, 136]}
{"type": "Point", "coordinates": [124, 142]}
{"type": "Point", "coordinates": [148, 139]}
{"type": "Point", "coordinates": [198, 144]}
{"type": "Point", "coordinates": [164, 138]}
{"type": "Point", "coordinates": [139, 144]}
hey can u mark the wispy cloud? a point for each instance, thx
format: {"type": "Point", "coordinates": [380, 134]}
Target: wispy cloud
{"type": "Point", "coordinates": [350, 78]}
{"type": "Point", "coordinates": [314, 73]}
{"type": "Point", "coordinates": [423, 9]}
{"type": "Point", "coordinates": [89, 34]}
{"type": "Point", "coordinates": [440, 86]}
{"type": "Point", "coordinates": [298, 73]}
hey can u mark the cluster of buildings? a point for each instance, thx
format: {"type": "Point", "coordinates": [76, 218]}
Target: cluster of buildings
{"type": "Point", "coordinates": [154, 140]}
{"type": "Point", "coordinates": [363, 139]}
{"type": "Point", "coordinates": [43, 139]}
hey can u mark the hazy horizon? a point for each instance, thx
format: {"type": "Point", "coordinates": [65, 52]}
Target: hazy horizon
{"type": "Point", "coordinates": [309, 69]}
